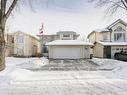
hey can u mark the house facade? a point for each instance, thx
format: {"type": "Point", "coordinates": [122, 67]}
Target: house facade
{"type": "Point", "coordinates": [110, 40]}
{"type": "Point", "coordinates": [25, 45]}
{"type": "Point", "coordinates": [61, 35]}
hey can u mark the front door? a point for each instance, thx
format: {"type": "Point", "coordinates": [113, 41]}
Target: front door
{"type": "Point", "coordinates": [107, 51]}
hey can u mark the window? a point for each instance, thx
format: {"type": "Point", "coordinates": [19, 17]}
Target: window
{"type": "Point", "coordinates": [19, 38]}
{"type": "Point", "coordinates": [119, 36]}
{"type": "Point", "coordinates": [86, 48]}
{"type": "Point", "coordinates": [117, 48]}
{"type": "Point", "coordinates": [66, 35]}
{"type": "Point", "coordinates": [105, 37]}
{"type": "Point", "coordinates": [119, 29]}
{"type": "Point", "coordinates": [121, 48]}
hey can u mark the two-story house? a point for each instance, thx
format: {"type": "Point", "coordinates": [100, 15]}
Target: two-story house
{"type": "Point", "coordinates": [25, 45]}
{"type": "Point", "coordinates": [61, 35]}
{"type": "Point", "coordinates": [110, 40]}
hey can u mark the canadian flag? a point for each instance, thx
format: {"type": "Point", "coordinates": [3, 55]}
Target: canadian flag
{"type": "Point", "coordinates": [41, 29]}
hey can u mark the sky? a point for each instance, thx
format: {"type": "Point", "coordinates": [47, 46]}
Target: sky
{"type": "Point", "coordinates": [61, 15]}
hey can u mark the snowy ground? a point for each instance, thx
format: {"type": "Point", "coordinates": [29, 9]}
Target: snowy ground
{"type": "Point", "coordinates": [38, 76]}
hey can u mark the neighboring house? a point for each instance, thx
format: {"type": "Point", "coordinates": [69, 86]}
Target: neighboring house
{"type": "Point", "coordinates": [110, 40]}
{"type": "Point", "coordinates": [25, 44]}
{"type": "Point", "coordinates": [61, 35]}
{"type": "Point", "coordinates": [69, 49]}
{"type": "Point", "coordinates": [9, 39]}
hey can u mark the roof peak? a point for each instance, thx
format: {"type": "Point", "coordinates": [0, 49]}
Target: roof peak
{"type": "Point", "coordinates": [115, 22]}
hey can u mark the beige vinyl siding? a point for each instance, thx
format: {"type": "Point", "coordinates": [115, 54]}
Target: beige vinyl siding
{"type": "Point", "coordinates": [103, 34]}
{"type": "Point", "coordinates": [98, 50]}
{"type": "Point", "coordinates": [99, 36]}
{"type": "Point", "coordinates": [29, 46]}
{"type": "Point", "coordinates": [92, 37]}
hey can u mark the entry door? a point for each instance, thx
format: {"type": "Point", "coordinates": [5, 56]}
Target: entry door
{"type": "Point", "coordinates": [107, 52]}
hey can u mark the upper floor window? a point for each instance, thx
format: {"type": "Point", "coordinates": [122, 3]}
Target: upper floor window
{"type": "Point", "coordinates": [19, 38]}
{"type": "Point", "coordinates": [105, 37]}
{"type": "Point", "coordinates": [119, 36]}
{"type": "Point", "coordinates": [66, 35]}
{"type": "Point", "coordinates": [119, 29]}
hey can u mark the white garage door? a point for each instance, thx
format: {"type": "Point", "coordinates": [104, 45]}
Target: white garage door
{"type": "Point", "coordinates": [67, 53]}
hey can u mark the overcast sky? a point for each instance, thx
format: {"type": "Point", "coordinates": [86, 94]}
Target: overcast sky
{"type": "Point", "coordinates": [62, 15]}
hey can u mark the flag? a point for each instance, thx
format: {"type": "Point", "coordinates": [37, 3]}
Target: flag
{"type": "Point", "coordinates": [41, 30]}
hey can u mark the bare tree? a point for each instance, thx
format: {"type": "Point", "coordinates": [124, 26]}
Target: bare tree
{"type": "Point", "coordinates": [6, 9]}
{"type": "Point", "coordinates": [112, 5]}
{"type": "Point", "coordinates": [4, 14]}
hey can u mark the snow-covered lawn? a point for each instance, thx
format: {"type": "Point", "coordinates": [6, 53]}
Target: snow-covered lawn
{"type": "Point", "coordinates": [26, 76]}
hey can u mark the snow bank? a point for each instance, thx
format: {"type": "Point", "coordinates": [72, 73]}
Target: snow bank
{"type": "Point", "coordinates": [34, 64]}
{"type": "Point", "coordinates": [118, 68]}
{"type": "Point", "coordinates": [102, 61]}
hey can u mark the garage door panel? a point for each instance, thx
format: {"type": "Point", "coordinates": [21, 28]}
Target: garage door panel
{"type": "Point", "coordinates": [67, 53]}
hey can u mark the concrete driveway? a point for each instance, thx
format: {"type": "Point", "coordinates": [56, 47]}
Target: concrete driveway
{"type": "Point", "coordinates": [64, 65]}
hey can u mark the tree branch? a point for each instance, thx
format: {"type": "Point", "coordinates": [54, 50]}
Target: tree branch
{"type": "Point", "coordinates": [124, 4]}
{"type": "Point", "coordinates": [11, 8]}
{"type": "Point", "coordinates": [118, 4]}
{"type": "Point", "coordinates": [125, 1]}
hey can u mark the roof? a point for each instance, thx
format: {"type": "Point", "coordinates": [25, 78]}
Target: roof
{"type": "Point", "coordinates": [113, 43]}
{"type": "Point", "coordinates": [102, 30]}
{"type": "Point", "coordinates": [48, 35]}
{"type": "Point", "coordinates": [119, 20]}
{"type": "Point", "coordinates": [68, 42]}
{"type": "Point", "coordinates": [20, 32]}
{"type": "Point", "coordinates": [67, 32]}
{"type": "Point", "coordinates": [99, 30]}
{"type": "Point", "coordinates": [107, 29]}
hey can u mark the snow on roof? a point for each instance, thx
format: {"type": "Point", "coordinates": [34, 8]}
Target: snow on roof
{"type": "Point", "coordinates": [99, 30]}
{"type": "Point", "coordinates": [102, 30]}
{"type": "Point", "coordinates": [72, 32]}
{"type": "Point", "coordinates": [68, 42]}
{"type": "Point", "coordinates": [113, 43]}
{"type": "Point", "coordinates": [119, 20]}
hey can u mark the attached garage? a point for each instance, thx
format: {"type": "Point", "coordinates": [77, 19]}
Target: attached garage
{"type": "Point", "coordinates": [69, 49]}
{"type": "Point", "coordinates": [108, 49]}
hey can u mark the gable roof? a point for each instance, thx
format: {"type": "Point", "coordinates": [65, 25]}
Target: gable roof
{"type": "Point", "coordinates": [20, 32]}
{"type": "Point", "coordinates": [107, 29]}
{"type": "Point", "coordinates": [114, 23]}
{"type": "Point", "coordinates": [68, 42]}
{"type": "Point", "coordinates": [98, 30]}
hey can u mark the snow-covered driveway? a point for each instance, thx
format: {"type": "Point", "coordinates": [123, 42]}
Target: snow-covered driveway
{"type": "Point", "coordinates": [18, 81]}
